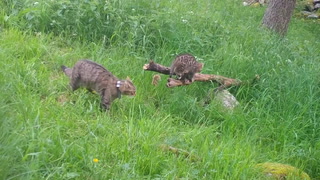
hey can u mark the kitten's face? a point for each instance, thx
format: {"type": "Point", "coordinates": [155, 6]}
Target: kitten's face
{"type": "Point", "coordinates": [127, 88]}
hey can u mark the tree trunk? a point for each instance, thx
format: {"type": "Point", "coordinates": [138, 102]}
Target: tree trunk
{"type": "Point", "coordinates": [278, 15]}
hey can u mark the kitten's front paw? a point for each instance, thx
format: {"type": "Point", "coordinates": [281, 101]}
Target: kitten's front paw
{"type": "Point", "coordinates": [105, 107]}
{"type": "Point", "coordinates": [186, 81]}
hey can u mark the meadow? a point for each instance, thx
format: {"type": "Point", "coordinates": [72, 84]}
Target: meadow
{"type": "Point", "coordinates": [49, 132]}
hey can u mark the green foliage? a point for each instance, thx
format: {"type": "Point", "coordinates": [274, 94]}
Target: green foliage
{"type": "Point", "coordinates": [49, 132]}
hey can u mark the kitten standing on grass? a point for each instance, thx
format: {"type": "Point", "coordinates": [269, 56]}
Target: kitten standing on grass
{"type": "Point", "coordinates": [94, 77]}
{"type": "Point", "coordinates": [184, 67]}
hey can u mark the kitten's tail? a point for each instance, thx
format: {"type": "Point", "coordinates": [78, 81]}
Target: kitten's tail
{"type": "Point", "coordinates": [66, 70]}
{"type": "Point", "coordinates": [63, 68]}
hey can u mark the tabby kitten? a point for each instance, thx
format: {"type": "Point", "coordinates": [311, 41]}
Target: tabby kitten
{"type": "Point", "coordinates": [93, 76]}
{"type": "Point", "coordinates": [184, 67]}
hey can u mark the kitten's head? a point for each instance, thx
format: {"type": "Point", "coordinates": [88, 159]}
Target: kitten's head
{"type": "Point", "coordinates": [199, 66]}
{"type": "Point", "coordinates": [127, 87]}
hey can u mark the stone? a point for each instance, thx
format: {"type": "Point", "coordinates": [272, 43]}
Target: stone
{"type": "Point", "coordinates": [226, 99]}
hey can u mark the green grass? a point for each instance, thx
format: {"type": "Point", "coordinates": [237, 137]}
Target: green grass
{"type": "Point", "coordinates": [49, 132]}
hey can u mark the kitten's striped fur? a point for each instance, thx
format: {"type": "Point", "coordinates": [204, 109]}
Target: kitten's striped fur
{"type": "Point", "coordinates": [184, 67]}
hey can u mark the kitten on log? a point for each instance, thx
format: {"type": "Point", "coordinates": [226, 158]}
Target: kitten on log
{"type": "Point", "coordinates": [184, 67]}
{"type": "Point", "coordinates": [94, 77]}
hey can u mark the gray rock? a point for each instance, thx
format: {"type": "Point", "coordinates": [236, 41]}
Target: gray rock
{"type": "Point", "coordinates": [313, 16]}
{"type": "Point", "coordinates": [226, 99]}
{"type": "Point", "coordinates": [306, 13]}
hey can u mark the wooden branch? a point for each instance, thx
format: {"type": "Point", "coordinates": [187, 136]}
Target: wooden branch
{"type": "Point", "coordinates": [223, 81]}
{"type": "Point", "coordinates": [152, 66]}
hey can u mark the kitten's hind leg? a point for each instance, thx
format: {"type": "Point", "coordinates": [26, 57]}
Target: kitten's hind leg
{"type": "Point", "coordinates": [105, 104]}
{"type": "Point", "coordinates": [74, 83]}
{"type": "Point", "coordinates": [74, 86]}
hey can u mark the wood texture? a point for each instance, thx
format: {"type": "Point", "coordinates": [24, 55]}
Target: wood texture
{"type": "Point", "coordinates": [278, 15]}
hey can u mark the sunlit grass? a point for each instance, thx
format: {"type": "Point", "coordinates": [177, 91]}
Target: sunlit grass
{"type": "Point", "coordinates": [49, 132]}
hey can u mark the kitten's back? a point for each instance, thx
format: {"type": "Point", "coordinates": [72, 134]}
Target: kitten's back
{"type": "Point", "coordinates": [185, 64]}
{"type": "Point", "coordinates": [90, 71]}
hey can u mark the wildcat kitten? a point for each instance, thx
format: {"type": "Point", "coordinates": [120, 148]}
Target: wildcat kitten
{"type": "Point", "coordinates": [93, 76]}
{"type": "Point", "coordinates": [184, 67]}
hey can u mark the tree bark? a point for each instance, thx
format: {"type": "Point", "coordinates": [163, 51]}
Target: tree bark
{"type": "Point", "coordinates": [278, 15]}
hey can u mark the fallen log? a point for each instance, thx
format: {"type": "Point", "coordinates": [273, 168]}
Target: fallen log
{"type": "Point", "coordinates": [224, 82]}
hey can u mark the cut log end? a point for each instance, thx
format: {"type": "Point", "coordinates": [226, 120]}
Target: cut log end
{"type": "Point", "coordinates": [146, 67]}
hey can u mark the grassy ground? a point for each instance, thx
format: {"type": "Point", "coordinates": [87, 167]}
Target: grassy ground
{"type": "Point", "coordinates": [49, 132]}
